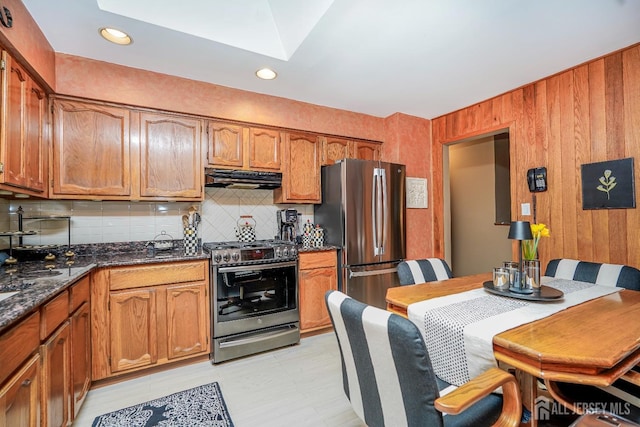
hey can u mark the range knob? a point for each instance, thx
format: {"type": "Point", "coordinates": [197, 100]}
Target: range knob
{"type": "Point", "coordinates": [217, 258]}
{"type": "Point", "coordinates": [293, 251]}
{"type": "Point", "coordinates": [278, 253]}
{"type": "Point", "coordinates": [235, 256]}
{"type": "Point", "coordinates": [226, 257]}
{"type": "Point", "coordinates": [285, 252]}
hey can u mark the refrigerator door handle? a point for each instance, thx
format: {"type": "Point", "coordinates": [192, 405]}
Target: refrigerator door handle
{"type": "Point", "coordinates": [372, 272]}
{"type": "Point", "coordinates": [384, 220]}
{"type": "Point", "coordinates": [375, 211]}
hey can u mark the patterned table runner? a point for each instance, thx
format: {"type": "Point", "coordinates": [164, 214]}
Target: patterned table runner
{"type": "Point", "coordinates": [458, 329]}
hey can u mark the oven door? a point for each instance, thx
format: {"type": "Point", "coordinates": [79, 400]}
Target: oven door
{"type": "Point", "coordinates": [252, 297]}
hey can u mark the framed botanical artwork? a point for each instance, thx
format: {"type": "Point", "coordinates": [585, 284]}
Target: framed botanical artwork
{"type": "Point", "coordinates": [608, 185]}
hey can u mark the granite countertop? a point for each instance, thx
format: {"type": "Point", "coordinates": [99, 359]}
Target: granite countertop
{"type": "Point", "coordinates": [33, 281]}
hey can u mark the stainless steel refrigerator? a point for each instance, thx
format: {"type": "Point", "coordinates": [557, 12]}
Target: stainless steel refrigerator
{"type": "Point", "coordinates": [363, 212]}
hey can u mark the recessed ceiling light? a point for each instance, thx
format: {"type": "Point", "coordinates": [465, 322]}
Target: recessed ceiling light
{"type": "Point", "coordinates": [115, 36]}
{"type": "Point", "coordinates": [266, 74]}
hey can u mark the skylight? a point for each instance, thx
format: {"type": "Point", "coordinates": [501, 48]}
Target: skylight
{"type": "Point", "coordinates": [274, 28]}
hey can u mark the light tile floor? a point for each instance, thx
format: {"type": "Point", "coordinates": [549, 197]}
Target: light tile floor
{"type": "Point", "coordinates": [297, 386]}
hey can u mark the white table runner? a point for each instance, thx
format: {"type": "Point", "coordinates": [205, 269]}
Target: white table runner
{"type": "Point", "coordinates": [458, 329]}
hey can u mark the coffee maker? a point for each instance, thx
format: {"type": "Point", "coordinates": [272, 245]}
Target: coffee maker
{"type": "Point", "coordinates": [288, 224]}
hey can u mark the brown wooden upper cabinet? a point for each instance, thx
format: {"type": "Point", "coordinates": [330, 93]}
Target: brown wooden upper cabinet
{"type": "Point", "coordinates": [170, 157]}
{"type": "Point", "coordinates": [232, 146]}
{"type": "Point", "coordinates": [334, 149]}
{"type": "Point", "coordinates": [23, 155]}
{"type": "Point", "coordinates": [90, 150]}
{"type": "Point", "coordinates": [301, 176]}
{"type": "Point", "coordinates": [365, 150]}
{"type": "Point", "coordinates": [109, 152]}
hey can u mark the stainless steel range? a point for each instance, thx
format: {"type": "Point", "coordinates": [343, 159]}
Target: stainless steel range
{"type": "Point", "coordinates": [254, 297]}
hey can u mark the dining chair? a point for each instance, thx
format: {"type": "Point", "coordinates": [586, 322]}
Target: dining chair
{"type": "Point", "coordinates": [423, 270]}
{"type": "Point", "coordinates": [623, 276]}
{"type": "Point", "coordinates": [624, 394]}
{"type": "Point", "coordinates": [388, 378]}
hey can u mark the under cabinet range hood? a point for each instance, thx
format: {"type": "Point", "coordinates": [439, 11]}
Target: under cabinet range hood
{"type": "Point", "coordinates": [242, 179]}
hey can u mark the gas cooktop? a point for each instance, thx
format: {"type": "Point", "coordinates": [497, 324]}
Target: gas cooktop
{"type": "Point", "coordinates": [246, 245]}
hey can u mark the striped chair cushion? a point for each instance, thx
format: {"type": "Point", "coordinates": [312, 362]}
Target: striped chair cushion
{"type": "Point", "coordinates": [592, 272]}
{"type": "Point", "coordinates": [387, 373]}
{"type": "Point", "coordinates": [423, 270]}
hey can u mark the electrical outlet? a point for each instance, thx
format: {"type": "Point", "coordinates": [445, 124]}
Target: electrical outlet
{"type": "Point", "coordinates": [525, 209]}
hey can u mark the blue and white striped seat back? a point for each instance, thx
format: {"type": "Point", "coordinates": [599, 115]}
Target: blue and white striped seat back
{"type": "Point", "coordinates": [386, 370]}
{"type": "Point", "coordinates": [423, 270]}
{"type": "Point", "coordinates": [592, 272]}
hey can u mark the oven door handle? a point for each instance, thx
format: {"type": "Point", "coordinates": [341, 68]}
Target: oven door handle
{"type": "Point", "coordinates": [281, 331]}
{"type": "Point", "coordinates": [257, 267]}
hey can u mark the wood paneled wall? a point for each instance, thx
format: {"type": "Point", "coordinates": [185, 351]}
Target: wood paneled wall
{"type": "Point", "coordinates": [587, 114]}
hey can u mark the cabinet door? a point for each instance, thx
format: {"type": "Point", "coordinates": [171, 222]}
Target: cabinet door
{"type": "Point", "coordinates": [170, 163]}
{"type": "Point", "coordinates": [187, 320]}
{"type": "Point", "coordinates": [367, 150]}
{"type": "Point", "coordinates": [20, 397]}
{"type": "Point", "coordinates": [34, 148]}
{"type": "Point", "coordinates": [90, 150]}
{"type": "Point", "coordinates": [313, 285]}
{"type": "Point", "coordinates": [80, 357]}
{"type": "Point", "coordinates": [264, 150]}
{"type": "Point", "coordinates": [22, 128]}
{"type": "Point", "coordinates": [301, 180]}
{"type": "Point", "coordinates": [225, 145]}
{"type": "Point", "coordinates": [56, 378]}
{"type": "Point", "coordinates": [334, 149]}
{"type": "Point", "coordinates": [133, 329]}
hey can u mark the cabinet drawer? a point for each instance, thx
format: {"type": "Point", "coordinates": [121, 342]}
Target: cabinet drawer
{"type": "Point", "coordinates": [158, 274]}
{"type": "Point", "coordinates": [53, 314]}
{"type": "Point", "coordinates": [17, 344]}
{"type": "Point", "coordinates": [309, 260]}
{"type": "Point", "coordinates": [79, 294]}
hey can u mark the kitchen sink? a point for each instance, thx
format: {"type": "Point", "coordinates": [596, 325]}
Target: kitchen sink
{"type": "Point", "coordinates": [5, 295]}
{"type": "Point", "coordinates": [38, 274]}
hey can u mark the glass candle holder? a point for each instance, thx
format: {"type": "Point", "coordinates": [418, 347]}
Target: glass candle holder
{"type": "Point", "coordinates": [500, 278]}
{"type": "Point", "coordinates": [532, 273]}
{"type": "Point", "coordinates": [514, 273]}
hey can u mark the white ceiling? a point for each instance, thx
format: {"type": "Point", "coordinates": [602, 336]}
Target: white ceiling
{"type": "Point", "coordinates": [419, 57]}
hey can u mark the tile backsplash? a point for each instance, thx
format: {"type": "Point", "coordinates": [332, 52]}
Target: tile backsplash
{"type": "Point", "coordinates": [115, 221]}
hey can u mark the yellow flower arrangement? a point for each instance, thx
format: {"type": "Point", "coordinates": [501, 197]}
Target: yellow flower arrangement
{"type": "Point", "coordinates": [530, 247]}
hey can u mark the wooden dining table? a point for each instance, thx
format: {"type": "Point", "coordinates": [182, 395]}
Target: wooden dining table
{"type": "Point", "coordinates": [594, 343]}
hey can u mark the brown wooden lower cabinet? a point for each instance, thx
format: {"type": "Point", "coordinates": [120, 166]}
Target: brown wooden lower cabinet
{"type": "Point", "coordinates": [80, 356]}
{"type": "Point", "coordinates": [133, 332]}
{"type": "Point", "coordinates": [317, 274]}
{"type": "Point", "coordinates": [20, 396]}
{"type": "Point", "coordinates": [145, 316]}
{"type": "Point", "coordinates": [56, 377]}
{"type": "Point", "coordinates": [187, 320]}
{"type": "Point", "coordinates": [45, 364]}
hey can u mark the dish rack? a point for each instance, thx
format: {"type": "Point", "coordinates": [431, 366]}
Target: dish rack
{"type": "Point", "coordinates": [21, 232]}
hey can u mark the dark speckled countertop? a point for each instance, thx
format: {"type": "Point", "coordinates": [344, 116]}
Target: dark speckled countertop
{"type": "Point", "coordinates": [36, 281]}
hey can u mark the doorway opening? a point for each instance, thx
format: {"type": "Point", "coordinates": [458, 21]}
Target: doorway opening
{"type": "Point", "coordinates": [477, 202]}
